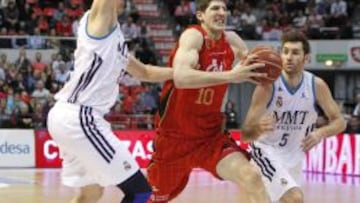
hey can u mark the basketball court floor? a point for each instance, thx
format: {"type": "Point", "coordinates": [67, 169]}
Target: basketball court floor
{"type": "Point", "coordinates": [43, 186]}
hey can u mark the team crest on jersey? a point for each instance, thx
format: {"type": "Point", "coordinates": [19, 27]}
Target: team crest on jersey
{"type": "Point", "coordinates": [215, 66]}
{"type": "Point", "coordinates": [126, 165]}
{"type": "Point", "coordinates": [283, 182]}
{"type": "Point", "coordinates": [279, 102]}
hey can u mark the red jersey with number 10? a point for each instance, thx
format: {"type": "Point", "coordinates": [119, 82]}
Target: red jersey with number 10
{"type": "Point", "coordinates": [196, 113]}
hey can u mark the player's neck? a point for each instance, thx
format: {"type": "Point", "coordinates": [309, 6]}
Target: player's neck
{"type": "Point", "coordinates": [215, 35]}
{"type": "Point", "coordinates": [293, 80]}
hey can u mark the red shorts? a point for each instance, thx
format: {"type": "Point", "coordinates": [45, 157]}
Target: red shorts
{"type": "Point", "coordinates": [174, 158]}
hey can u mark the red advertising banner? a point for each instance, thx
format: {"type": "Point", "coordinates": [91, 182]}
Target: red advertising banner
{"type": "Point", "coordinates": [338, 155]}
{"type": "Point", "coordinates": [46, 151]}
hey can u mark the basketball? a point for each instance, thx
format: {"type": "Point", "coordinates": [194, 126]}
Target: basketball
{"type": "Point", "coordinates": [272, 60]}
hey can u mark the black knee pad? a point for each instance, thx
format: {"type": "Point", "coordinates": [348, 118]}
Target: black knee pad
{"type": "Point", "coordinates": [136, 189]}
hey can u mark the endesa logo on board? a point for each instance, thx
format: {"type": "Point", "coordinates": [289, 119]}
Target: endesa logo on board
{"type": "Point", "coordinates": [47, 151]}
{"type": "Point", "coordinates": [17, 148]}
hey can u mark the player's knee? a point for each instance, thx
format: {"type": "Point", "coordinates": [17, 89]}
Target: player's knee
{"type": "Point", "coordinates": [294, 195]}
{"type": "Point", "coordinates": [136, 189]}
{"type": "Point", "coordinates": [250, 176]}
{"type": "Point", "coordinates": [90, 194]}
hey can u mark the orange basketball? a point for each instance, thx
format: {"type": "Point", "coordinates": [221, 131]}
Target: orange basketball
{"type": "Point", "coordinates": [272, 60]}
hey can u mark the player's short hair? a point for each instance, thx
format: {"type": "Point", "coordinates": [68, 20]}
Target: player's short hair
{"type": "Point", "coordinates": [202, 5]}
{"type": "Point", "coordinates": [296, 36]}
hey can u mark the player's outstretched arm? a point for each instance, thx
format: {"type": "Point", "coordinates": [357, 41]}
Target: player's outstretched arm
{"type": "Point", "coordinates": [331, 109]}
{"type": "Point", "coordinates": [102, 17]}
{"type": "Point", "coordinates": [187, 58]}
{"type": "Point", "coordinates": [237, 44]}
{"type": "Point", "coordinates": [257, 121]}
{"type": "Point", "coordinates": [148, 73]}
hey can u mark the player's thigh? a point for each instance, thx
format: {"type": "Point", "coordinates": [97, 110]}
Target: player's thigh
{"type": "Point", "coordinates": [236, 167]}
{"type": "Point", "coordinates": [275, 176]}
{"type": "Point", "coordinates": [167, 179]}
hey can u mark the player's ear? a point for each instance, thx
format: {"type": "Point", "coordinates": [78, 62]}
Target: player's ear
{"type": "Point", "coordinates": [199, 16]}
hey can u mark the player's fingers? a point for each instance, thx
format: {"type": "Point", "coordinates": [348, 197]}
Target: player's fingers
{"type": "Point", "coordinates": [250, 59]}
{"type": "Point", "coordinates": [255, 66]}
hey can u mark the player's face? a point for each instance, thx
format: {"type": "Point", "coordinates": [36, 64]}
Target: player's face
{"type": "Point", "coordinates": [293, 57]}
{"type": "Point", "coordinates": [120, 6]}
{"type": "Point", "coordinates": [214, 17]}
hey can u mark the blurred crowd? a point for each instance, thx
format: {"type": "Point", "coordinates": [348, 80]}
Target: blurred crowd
{"type": "Point", "coordinates": [267, 19]}
{"type": "Point", "coordinates": [28, 84]}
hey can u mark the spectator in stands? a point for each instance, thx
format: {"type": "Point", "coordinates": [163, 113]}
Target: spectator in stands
{"type": "Point", "coordinates": [56, 63]}
{"type": "Point", "coordinates": [314, 22]}
{"type": "Point", "coordinates": [22, 63]}
{"type": "Point", "coordinates": [21, 41]}
{"type": "Point", "coordinates": [338, 13]}
{"type": "Point", "coordinates": [2, 19]}
{"type": "Point", "coordinates": [11, 14]}
{"type": "Point", "coordinates": [148, 99]}
{"type": "Point", "coordinates": [356, 111]}
{"type": "Point", "coordinates": [64, 27]}
{"type": "Point", "coordinates": [24, 119]}
{"type": "Point", "coordinates": [36, 41]}
{"type": "Point", "coordinates": [183, 13]}
{"type": "Point", "coordinates": [62, 74]}
{"type": "Point", "coordinates": [38, 65]}
{"type": "Point", "coordinates": [60, 12]}
{"type": "Point", "coordinates": [52, 42]}
{"type": "Point", "coordinates": [248, 22]}
{"type": "Point", "coordinates": [353, 125]}
{"type": "Point", "coordinates": [40, 93]}
{"type": "Point", "coordinates": [43, 24]}
{"type": "Point", "coordinates": [75, 26]}
{"type": "Point", "coordinates": [130, 29]}
{"type": "Point", "coordinates": [4, 43]}
{"type": "Point", "coordinates": [145, 54]}
{"type": "Point", "coordinates": [231, 116]}
{"type": "Point", "coordinates": [234, 20]}
{"type": "Point", "coordinates": [300, 20]}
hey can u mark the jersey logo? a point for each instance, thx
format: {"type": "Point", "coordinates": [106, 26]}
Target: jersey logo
{"type": "Point", "coordinates": [215, 66]}
{"type": "Point", "coordinates": [126, 165]}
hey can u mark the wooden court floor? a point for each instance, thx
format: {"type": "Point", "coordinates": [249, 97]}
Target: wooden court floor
{"type": "Point", "coordinates": [43, 186]}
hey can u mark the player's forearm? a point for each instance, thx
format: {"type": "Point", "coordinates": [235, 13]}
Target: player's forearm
{"type": "Point", "coordinates": [335, 126]}
{"type": "Point", "coordinates": [190, 78]}
{"type": "Point", "coordinates": [249, 133]}
{"type": "Point", "coordinates": [157, 74]}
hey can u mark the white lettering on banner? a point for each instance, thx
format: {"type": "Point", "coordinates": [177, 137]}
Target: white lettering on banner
{"type": "Point", "coordinates": [357, 155]}
{"type": "Point", "coordinates": [316, 158]}
{"type": "Point", "coordinates": [17, 148]}
{"type": "Point", "coordinates": [345, 157]}
{"type": "Point", "coordinates": [8, 148]}
{"type": "Point", "coordinates": [149, 147]}
{"type": "Point", "coordinates": [331, 144]}
{"type": "Point", "coordinates": [48, 154]}
{"type": "Point", "coordinates": [139, 150]}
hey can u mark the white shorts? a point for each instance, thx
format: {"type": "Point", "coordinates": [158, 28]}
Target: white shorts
{"type": "Point", "coordinates": [278, 179]}
{"type": "Point", "coordinates": [91, 153]}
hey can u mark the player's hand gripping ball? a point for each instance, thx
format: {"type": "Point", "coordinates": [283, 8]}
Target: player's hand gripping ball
{"type": "Point", "coordinates": [272, 60]}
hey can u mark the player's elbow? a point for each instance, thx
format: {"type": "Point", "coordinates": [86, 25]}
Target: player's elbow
{"type": "Point", "coordinates": [342, 124]}
{"type": "Point", "coordinates": [180, 80]}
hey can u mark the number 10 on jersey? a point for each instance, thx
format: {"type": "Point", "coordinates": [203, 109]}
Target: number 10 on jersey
{"type": "Point", "coordinates": [206, 96]}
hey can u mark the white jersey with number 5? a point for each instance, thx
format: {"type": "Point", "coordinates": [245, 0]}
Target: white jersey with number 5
{"type": "Point", "coordinates": [295, 114]}
{"type": "Point", "coordinates": [99, 62]}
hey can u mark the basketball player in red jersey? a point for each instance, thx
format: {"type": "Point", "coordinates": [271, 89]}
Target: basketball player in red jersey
{"type": "Point", "coordinates": [190, 122]}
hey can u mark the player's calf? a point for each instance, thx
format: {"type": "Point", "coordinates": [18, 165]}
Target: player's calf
{"type": "Point", "coordinates": [136, 189]}
{"type": "Point", "coordinates": [89, 194]}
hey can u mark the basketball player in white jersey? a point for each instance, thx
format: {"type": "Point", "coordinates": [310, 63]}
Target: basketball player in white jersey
{"type": "Point", "coordinates": [92, 155]}
{"type": "Point", "coordinates": [282, 117]}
